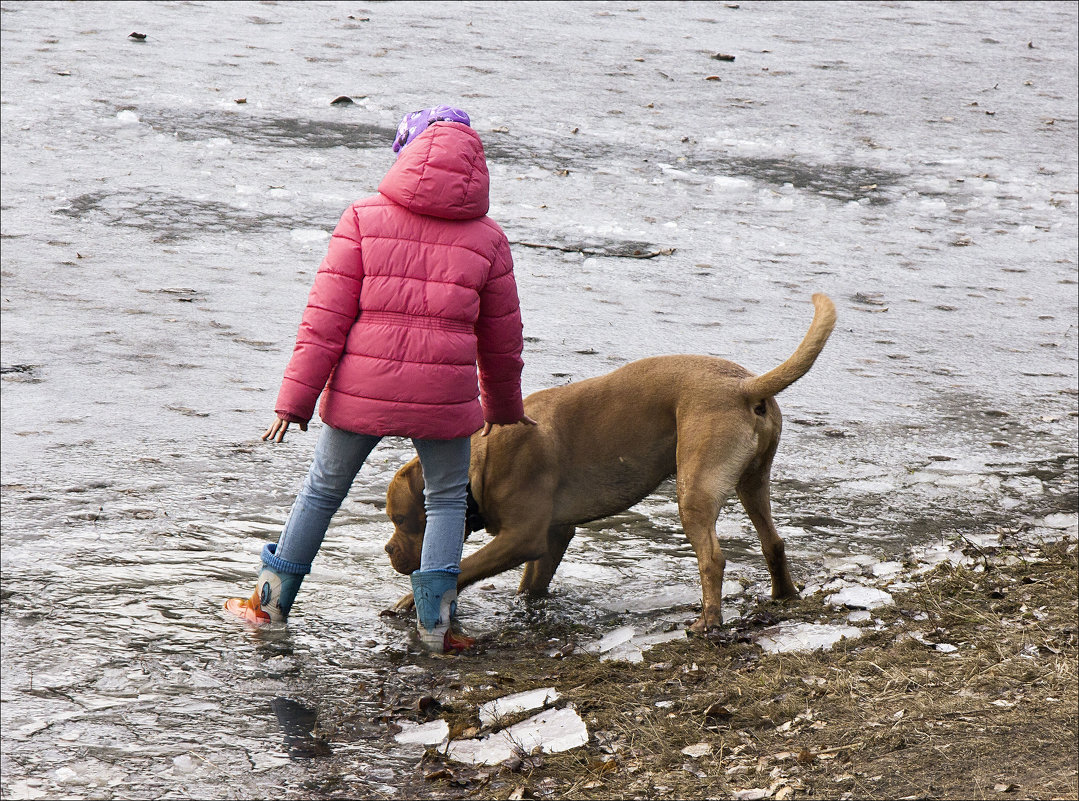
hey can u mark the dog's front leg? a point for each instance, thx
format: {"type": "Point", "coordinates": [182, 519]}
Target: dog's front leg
{"type": "Point", "coordinates": [538, 573]}
{"type": "Point", "coordinates": [514, 545]}
{"type": "Point", "coordinates": [525, 541]}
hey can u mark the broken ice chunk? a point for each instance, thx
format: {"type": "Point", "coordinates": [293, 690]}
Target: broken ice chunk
{"type": "Point", "coordinates": [859, 597]}
{"type": "Point", "coordinates": [431, 733]}
{"type": "Point", "coordinates": [551, 731]}
{"type": "Point", "coordinates": [518, 702]}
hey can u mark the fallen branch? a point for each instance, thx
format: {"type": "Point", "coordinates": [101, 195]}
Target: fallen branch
{"type": "Point", "coordinates": [637, 254]}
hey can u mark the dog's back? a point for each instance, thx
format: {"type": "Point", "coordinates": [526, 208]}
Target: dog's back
{"type": "Point", "coordinates": [607, 442]}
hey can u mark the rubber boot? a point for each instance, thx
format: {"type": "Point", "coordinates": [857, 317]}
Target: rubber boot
{"type": "Point", "coordinates": [435, 594]}
{"type": "Point", "coordinates": [275, 590]}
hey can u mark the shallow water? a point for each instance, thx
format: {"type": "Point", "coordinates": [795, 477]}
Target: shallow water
{"type": "Point", "coordinates": [917, 162]}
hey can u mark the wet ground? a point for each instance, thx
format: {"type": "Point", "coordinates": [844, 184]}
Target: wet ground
{"type": "Point", "coordinates": [917, 162]}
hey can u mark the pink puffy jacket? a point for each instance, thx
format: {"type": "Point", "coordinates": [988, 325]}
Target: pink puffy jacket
{"type": "Point", "coordinates": [416, 291]}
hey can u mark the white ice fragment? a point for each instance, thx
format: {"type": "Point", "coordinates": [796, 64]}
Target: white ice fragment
{"type": "Point", "coordinates": [886, 569]}
{"type": "Point", "coordinates": [127, 117]}
{"type": "Point", "coordinates": [518, 702]}
{"type": "Point", "coordinates": [946, 648]}
{"type": "Point", "coordinates": [804, 637]}
{"type": "Point", "coordinates": [264, 760]}
{"type": "Point", "coordinates": [22, 791]}
{"type": "Point", "coordinates": [732, 185]}
{"type": "Point", "coordinates": [611, 639]}
{"type": "Point", "coordinates": [65, 775]}
{"type": "Point", "coordinates": [305, 235]}
{"type": "Point", "coordinates": [1027, 486]}
{"type": "Point", "coordinates": [551, 731]}
{"type": "Point", "coordinates": [633, 650]}
{"type": "Point", "coordinates": [936, 554]}
{"type": "Point", "coordinates": [751, 795]}
{"type": "Point", "coordinates": [859, 616]}
{"type": "Point", "coordinates": [835, 584]}
{"type": "Point", "coordinates": [732, 588]}
{"type": "Point", "coordinates": [961, 481]}
{"type": "Point", "coordinates": [859, 597]}
{"type": "Point", "coordinates": [184, 763]}
{"type": "Point", "coordinates": [1059, 520]}
{"type": "Point", "coordinates": [990, 540]}
{"type": "Point", "coordinates": [869, 486]}
{"type": "Point", "coordinates": [849, 564]}
{"type": "Point", "coordinates": [697, 751]}
{"type": "Point", "coordinates": [25, 731]}
{"type": "Point", "coordinates": [431, 733]}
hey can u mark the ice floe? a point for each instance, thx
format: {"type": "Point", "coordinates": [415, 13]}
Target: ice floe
{"type": "Point", "coordinates": [493, 711]}
{"type": "Point", "coordinates": [624, 643]}
{"type": "Point", "coordinates": [797, 636]}
{"type": "Point", "coordinates": [551, 731]}
{"type": "Point", "coordinates": [431, 733]}
{"type": "Point", "coordinates": [860, 597]}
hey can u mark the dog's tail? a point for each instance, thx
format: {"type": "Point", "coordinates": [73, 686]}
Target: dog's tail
{"type": "Point", "coordinates": [775, 381]}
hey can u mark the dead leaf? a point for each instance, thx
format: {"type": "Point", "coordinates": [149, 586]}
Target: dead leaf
{"type": "Point", "coordinates": [717, 711]}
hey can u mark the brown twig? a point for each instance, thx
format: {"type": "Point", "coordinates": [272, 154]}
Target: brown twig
{"type": "Point", "coordinates": [594, 252]}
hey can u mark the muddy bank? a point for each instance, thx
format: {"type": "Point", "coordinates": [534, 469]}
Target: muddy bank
{"type": "Point", "coordinates": [950, 672]}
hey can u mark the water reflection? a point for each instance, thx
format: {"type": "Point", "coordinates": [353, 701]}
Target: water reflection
{"type": "Point", "coordinates": [297, 723]}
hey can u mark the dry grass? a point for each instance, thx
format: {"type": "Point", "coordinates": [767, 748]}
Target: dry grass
{"type": "Point", "coordinates": [884, 716]}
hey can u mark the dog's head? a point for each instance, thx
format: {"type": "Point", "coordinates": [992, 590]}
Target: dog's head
{"type": "Point", "coordinates": [404, 506]}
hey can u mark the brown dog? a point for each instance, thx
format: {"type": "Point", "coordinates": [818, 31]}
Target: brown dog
{"type": "Point", "coordinates": [604, 444]}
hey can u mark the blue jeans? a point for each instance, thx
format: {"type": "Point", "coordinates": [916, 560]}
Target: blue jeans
{"type": "Point", "coordinates": [339, 455]}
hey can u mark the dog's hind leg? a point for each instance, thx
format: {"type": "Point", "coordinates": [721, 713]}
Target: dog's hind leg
{"type": "Point", "coordinates": [707, 473]}
{"type": "Point", "coordinates": [539, 572]}
{"type": "Point", "coordinates": [753, 491]}
{"type": "Point", "coordinates": [699, 508]}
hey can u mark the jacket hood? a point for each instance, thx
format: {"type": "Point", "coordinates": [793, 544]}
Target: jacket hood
{"type": "Point", "coordinates": [441, 173]}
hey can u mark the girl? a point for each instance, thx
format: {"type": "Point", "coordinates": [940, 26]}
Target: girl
{"type": "Point", "coordinates": [413, 328]}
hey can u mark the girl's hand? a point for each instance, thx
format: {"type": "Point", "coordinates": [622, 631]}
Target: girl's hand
{"type": "Point", "coordinates": [525, 419]}
{"type": "Point", "coordinates": [277, 429]}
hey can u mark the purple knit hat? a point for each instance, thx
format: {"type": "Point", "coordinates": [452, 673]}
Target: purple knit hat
{"type": "Point", "coordinates": [412, 125]}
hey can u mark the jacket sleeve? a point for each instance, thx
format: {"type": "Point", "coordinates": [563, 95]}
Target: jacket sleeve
{"type": "Point", "coordinates": [500, 341]}
{"type": "Point", "coordinates": [331, 310]}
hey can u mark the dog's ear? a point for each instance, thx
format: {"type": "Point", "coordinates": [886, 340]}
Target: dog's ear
{"type": "Point", "coordinates": [413, 473]}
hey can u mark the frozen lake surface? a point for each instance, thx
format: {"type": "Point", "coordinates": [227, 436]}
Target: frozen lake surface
{"type": "Point", "coordinates": [915, 161]}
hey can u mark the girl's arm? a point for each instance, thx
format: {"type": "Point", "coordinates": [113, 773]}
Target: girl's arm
{"type": "Point", "coordinates": [331, 310]}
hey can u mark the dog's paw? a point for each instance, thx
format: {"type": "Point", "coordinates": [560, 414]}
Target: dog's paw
{"type": "Point", "coordinates": [706, 623]}
{"type": "Point", "coordinates": [405, 604]}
